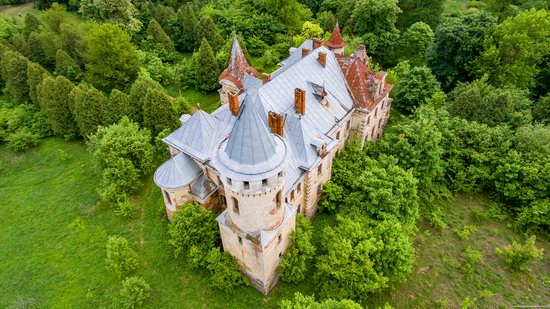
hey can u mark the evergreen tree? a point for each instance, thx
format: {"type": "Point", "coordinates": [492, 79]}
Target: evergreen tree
{"type": "Point", "coordinates": [3, 49]}
{"type": "Point", "coordinates": [35, 75]}
{"type": "Point", "coordinates": [32, 24]}
{"type": "Point", "coordinates": [207, 30]}
{"type": "Point", "coordinates": [66, 66]}
{"type": "Point", "coordinates": [158, 113]}
{"type": "Point", "coordinates": [53, 95]}
{"type": "Point", "coordinates": [204, 68]}
{"type": "Point", "coordinates": [14, 72]}
{"type": "Point", "coordinates": [137, 97]}
{"type": "Point", "coordinates": [184, 37]}
{"type": "Point", "coordinates": [158, 40]}
{"type": "Point", "coordinates": [118, 106]}
{"type": "Point", "coordinates": [87, 104]}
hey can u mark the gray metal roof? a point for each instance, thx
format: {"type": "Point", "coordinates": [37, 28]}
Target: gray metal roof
{"type": "Point", "coordinates": [202, 188]}
{"type": "Point", "coordinates": [177, 172]}
{"type": "Point", "coordinates": [300, 133]}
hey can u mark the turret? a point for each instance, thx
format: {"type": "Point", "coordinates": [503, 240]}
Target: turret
{"type": "Point", "coordinates": [336, 43]}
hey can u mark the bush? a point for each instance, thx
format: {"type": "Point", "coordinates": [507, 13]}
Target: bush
{"type": "Point", "coordinates": [308, 302]}
{"type": "Point", "coordinates": [134, 291]}
{"type": "Point", "coordinates": [299, 257]}
{"type": "Point", "coordinates": [224, 270]}
{"type": "Point", "coordinates": [518, 256]}
{"type": "Point", "coordinates": [120, 257]}
{"type": "Point", "coordinates": [193, 233]}
{"type": "Point", "coordinates": [465, 233]}
{"type": "Point", "coordinates": [471, 258]}
{"type": "Point", "coordinates": [22, 140]}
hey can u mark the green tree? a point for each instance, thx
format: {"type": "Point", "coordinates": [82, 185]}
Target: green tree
{"type": "Point", "coordinates": [32, 24]}
{"type": "Point", "coordinates": [138, 92]}
{"type": "Point", "coordinates": [35, 75]}
{"type": "Point", "coordinates": [414, 88]}
{"type": "Point", "coordinates": [541, 110]}
{"type": "Point", "coordinates": [158, 113]}
{"type": "Point", "coordinates": [121, 258]}
{"type": "Point", "coordinates": [117, 107]}
{"type": "Point", "coordinates": [308, 302]}
{"type": "Point", "coordinates": [415, 43]}
{"type": "Point", "coordinates": [193, 233]}
{"type": "Point", "coordinates": [458, 43]}
{"type": "Point", "coordinates": [516, 49]}
{"type": "Point", "coordinates": [66, 66]}
{"type": "Point", "coordinates": [289, 12]}
{"type": "Point", "coordinates": [87, 105]}
{"type": "Point", "coordinates": [207, 29]}
{"type": "Point", "coordinates": [428, 11]}
{"type": "Point", "coordinates": [518, 256]}
{"type": "Point", "coordinates": [185, 29]}
{"type": "Point", "coordinates": [134, 292]}
{"type": "Point", "coordinates": [299, 257]}
{"type": "Point", "coordinates": [160, 41]}
{"type": "Point", "coordinates": [375, 21]}
{"type": "Point", "coordinates": [111, 59]}
{"type": "Point", "coordinates": [119, 12]}
{"type": "Point", "coordinates": [481, 102]}
{"type": "Point", "coordinates": [53, 96]}
{"type": "Point", "coordinates": [224, 270]}
{"type": "Point", "coordinates": [14, 72]}
{"type": "Point", "coordinates": [36, 51]}
{"type": "Point", "coordinates": [204, 68]}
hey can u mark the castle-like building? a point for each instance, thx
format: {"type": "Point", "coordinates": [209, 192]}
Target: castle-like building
{"type": "Point", "coordinates": [266, 152]}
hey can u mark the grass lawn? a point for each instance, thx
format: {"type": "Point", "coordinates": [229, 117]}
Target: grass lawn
{"type": "Point", "coordinates": [52, 247]}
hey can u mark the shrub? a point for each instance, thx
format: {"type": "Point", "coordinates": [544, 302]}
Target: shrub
{"type": "Point", "coordinates": [134, 291]}
{"type": "Point", "coordinates": [120, 257]}
{"type": "Point", "coordinates": [22, 140]}
{"type": "Point", "coordinates": [308, 302]}
{"type": "Point", "coordinates": [465, 233]}
{"type": "Point", "coordinates": [471, 258]}
{"type": "Point", "coordinates": [298, 258]}
{"type": "Point", "coordinates": [224, 270]}
{"type": "Point", "coordinates": [193, 233]}
{"type": "Point", "coordinates": [518, 256]}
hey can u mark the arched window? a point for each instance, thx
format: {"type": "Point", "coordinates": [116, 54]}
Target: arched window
{"type": "Point", "coordinates": [278, 199]}
{"type": "Point", "coordinates": [235, 205]}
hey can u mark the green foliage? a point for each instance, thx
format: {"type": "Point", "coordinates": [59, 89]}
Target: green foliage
{"type": "Point", "coordinates": [111, 59]}
{"type": "Point", "coordinates": [415, 44]}
{"type": "Point", "coordinates": [308, 302]}
{"type": "Point", "coordinates": [158, 113]}
{"type": "Point", "coordinates": [224, 270]}
{"type": "Point", "coordinates": [158, 41]}
{"type": "Point", "coordinates": [466, 232]}
{"type": "Point", "coordinates": [375, 21]}
{"type": "Point", "coordinates": [332, 197]}
{"type": "Point", "coordinates": [14, 73]}
{"type": "Point", "coordinates": [22, 140]}
{"type": "Point", "coordinates": [154, 68]}
{"type": "Point", "coordinates": [193, 233]}
{"type": "Point", "coordinates": [121, 258]}
{"type": "Point", "coordinates": [35, 75]}
{"type": "Point", "coordinates": [185, 29]}
{"type": "Point", "coordinates": [32, 24]}
{"type": "Point", "coordinates": [138, 92]}
{"type": "Point", "coordinates": [516, 48]}
{"type": "Point", "coordinates": [36, 51]}
{"type": "Point", "coordinates": [66, 66]}
{"type": "Point", "coordinates": [471, 257]}
{"type": "Point", "coordinates": [289, 12]}
{"type": "Point", "coordinates": [22, 126]}
{"type": "Point", "coordinates": [53, 96]}
{"type": "Point", "coordinates": [458, 43]}
{"type": "Point", "coordinates": [118, 12]}
{"type": "Point", "coordinates": [518, 256]}
{"type": "Point", "coordinates": [541, 110]}
{"type": "Point", "coordinates": [207, 30]}
{"type": "Point", "coordinates": [483, 103]}
{"type": "Point", "coordinates": [117, 106]}
{"type": "Point", "coordinates": [414, 88]}
{"type": "Point", "coordinates": [428, 11]}
{"type": "Point", "coordinates": [203, 69]}
{"type": "Point", "coordinates": [87, 106]}
{"type": "Point", "coordinates": [299, 257]}
{"type": "Point", "coordinates": [134, 292]}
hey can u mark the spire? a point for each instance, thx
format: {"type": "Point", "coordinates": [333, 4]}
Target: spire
{"type": "Point", "coordinates": [238, 66]}
{"type": "Point", "coordinates": [250, 142]}
{"type": "Point", "coordinates": [335, 41]}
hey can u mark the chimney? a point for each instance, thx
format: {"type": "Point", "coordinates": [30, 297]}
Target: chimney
{"type": "Point", "coordinates": [322, 57]}
{"type": "Point", "coordinates": [233, 101]}
{"type": "Point", "coordinates": [265, 78]}
{"type": "Point", "coordinates": [317, 43]}
{"type": "Point", "coordinates": [276, 123]}
{"type": "Point", "coordinates": [300, 101]}
{"type": "Point", "coordinates": [305, 52]}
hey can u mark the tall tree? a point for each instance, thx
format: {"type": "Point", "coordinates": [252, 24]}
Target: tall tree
{"type": "Point", "coordinates": [289, 12]}
{"type": "Point", "coordinates": [299, 257]}
{"type": "Point", "coordinates": [458, 43]}
{"type": "Point", "coordinates": [53, 95]}
{"type": "Point", "coordinates": [516, 49]}
{"type": "Point", "coordinates": [138, 92]}
{"type": "Point", "coordinates": [36, 51]}
{"type": "Point", "coordinates": [185, 29]}
{"type": "Point", "coordinates": [415, 43]}
{"type": "Point", "coordinates": [117, 107]}
{"type": "Point", "coordinates": [159, 40]}
{"type": "Point", "coordinates": [120, 12]}
{"type": "Point", "coordinates": [87, 105]}
{"type": "Point", "coordinates": [35, 75]}
{"type": "Point", "coordinates": [428, 11]}
{"type": "Point", "coordinates": [204, 68]}
{"type": "Point", "coordinates": [415, 87]}
{"type": "Point", "coordinates": [158, 113]}
{"type": "Point", "coordinates": [66, 66]}
{"type": "Point", "coordinates": [111, 59]}
{"type": "Point", "coordinates": [14, 72]}
{"type": "Point", "coordinates": [207, 30]}
{"type": "Point", "coordinates": [32, 24]}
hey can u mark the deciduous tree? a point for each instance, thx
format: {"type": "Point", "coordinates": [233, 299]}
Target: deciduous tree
{"type": "Point", "coordinates": [299, 257]}
{"type": "Point", "coordinates": [414, 88]}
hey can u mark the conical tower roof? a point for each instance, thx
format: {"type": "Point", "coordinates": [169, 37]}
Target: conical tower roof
{"type": "Point", "coordinates": [335, 40]}
{"type": "Point", "coordinates": [238, 66]}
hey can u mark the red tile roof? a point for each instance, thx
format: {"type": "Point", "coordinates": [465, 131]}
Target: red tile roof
{"type": "Point", "coordinates": [335, 40]}
{"type": "Point", "coordinates": [238, 66]}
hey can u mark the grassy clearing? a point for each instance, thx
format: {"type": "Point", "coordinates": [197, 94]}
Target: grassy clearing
{"type": "Point", "coordinates": [52, 247]}
{"type": "Point", "coordinates": [15, 10]}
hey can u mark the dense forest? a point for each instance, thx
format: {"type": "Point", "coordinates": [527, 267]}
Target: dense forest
{"type": "Point", "coordinates": [471, 115]}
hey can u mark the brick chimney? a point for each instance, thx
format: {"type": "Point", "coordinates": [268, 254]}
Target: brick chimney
{"type": "Point", "coordinates": [305, 52]}
{"type": "Point", "coordinates": [317, 43]}
{"type": "Point", "coordinates": [233, 101]}
{"type": "Point", "coordinates": [322, 57]}
{"type": "Point", "coordinates": [265, 78]}
{"type": "Point", "coordinates": [276, 123]}
{"type": "Point", "coordinates": [300, 101]}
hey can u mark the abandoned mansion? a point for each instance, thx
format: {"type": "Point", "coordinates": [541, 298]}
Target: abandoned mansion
{"type": "Point", "coordinates": [265, 153]}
